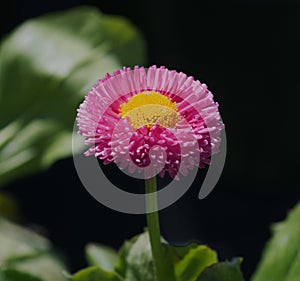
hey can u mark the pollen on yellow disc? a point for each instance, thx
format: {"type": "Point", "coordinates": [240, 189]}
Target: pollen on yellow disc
{"type": "Point", "coordinates": [147, 108]}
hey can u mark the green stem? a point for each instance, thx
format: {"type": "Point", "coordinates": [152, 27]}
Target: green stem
{"type": "Point", "coordinates": [154, 231]}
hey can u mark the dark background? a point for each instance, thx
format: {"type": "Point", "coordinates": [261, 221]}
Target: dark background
{"type": "Point", "coordinates": [247, 53]}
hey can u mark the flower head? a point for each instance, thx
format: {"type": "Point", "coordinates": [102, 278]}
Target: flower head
{"type": "Point", "coordinates": [153, 120]}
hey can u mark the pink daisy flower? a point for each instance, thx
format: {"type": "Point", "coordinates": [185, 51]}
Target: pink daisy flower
{"type": "Point", "coordinates": [153, 120]}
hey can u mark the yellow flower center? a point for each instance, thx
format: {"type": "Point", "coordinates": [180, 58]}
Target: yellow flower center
{"type": "Point", "coordinates": [147, 108]}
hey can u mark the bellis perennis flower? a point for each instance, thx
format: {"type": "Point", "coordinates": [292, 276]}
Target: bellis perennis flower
{"type": "Point", "coordinates": [140, 117]}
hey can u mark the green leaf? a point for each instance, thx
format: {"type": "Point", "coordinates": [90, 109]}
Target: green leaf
{"type": "Point", "coordinates": [46, 66]}
{"type": "Point", "coordinates": [180, 251]}
{"type": "Point", "coordinates": [17, 242]}
{"type": "Point", "coordinates": [136, 262]}
{"type": "Point", "coordinates": [96, 274]}
{"type": "Point", "coordinates": [101, 256]}
{"type": "Point", "coordinates": [15, 275]}
{"type": "Point", "coordinates": [223, 271]}
{"type": "Point", "coordinates": [194, 262]}
{"type": "Point", "coordinates": [45, 265]}
{"type": "Point", "coordinates": [123, 253]}
{"type": "Point", "coordinates": [294, 271]}
{"type": "Point", "coordinates": [281, 258]}
{"type": "Point", "coordinates": [25, 251]}
{"type": "Point", "coordinates": [139, 260]}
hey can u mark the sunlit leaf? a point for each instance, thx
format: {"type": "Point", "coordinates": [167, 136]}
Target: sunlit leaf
{"type": "Point", "coordinates": [140, 265]}
{"type": "Point", "coordinates": [96, 274]}
{"type": "Point", "coordinates": [15, 275]}
{"type": "Point", "coordinates": [122, 255]}
{"type": "Point", "coordinates": [194, 262]}
{"type": "Point", "coordinates": [101, 256]}
{"type": "Point", "coordinates": [17, 242]}
{"type": "Point", "coordinates": [23, 252]}
{"type": "Point", "coordinates": [44, 265]}
{"type": "Point", "coordinates": [46, 66]}
{"type": "Point", "coordinates": [281, 258]}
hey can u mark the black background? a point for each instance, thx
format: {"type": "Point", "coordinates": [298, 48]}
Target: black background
{"type": "Point", "coordinates": [247, 53]}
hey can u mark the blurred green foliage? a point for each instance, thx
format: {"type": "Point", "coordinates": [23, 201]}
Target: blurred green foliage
{"type": "Point", "coordinates": [25, 255]}
{"type": "Point", "coordinates": [280, 261]}
{"type": "Point", "coordinates": [134, 262]}
{"type": "Point", "coordinates": [47, 65]}
{"type": "Point", "coordinates": [101, 256]}
{"type": "Point", "coordinates": [281, 258]}
{"type": "Point", "coordinates": [223, 271]}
